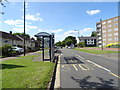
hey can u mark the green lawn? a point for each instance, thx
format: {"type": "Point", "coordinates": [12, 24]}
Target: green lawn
{"type": "Point", "coordinates": [25, 73]}
{"type": "Point", "coordinates": [96, 51]}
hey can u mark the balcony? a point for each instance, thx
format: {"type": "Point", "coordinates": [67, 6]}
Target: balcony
{"type": "Point", "coordinates": [99, 41]}
{"type": "Point", "coordinates": [99, 34]}
{"type": "Point", "coordinates": [99, 38]}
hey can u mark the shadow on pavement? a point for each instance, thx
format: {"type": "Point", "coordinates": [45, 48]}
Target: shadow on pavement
{"type": "Point", "coordinates": [9, 66]}
{"type": "Point", "coordinates": [85, 84]}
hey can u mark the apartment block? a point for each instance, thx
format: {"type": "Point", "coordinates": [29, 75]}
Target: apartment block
{"type": "Point", "coordinates": [107, 31]}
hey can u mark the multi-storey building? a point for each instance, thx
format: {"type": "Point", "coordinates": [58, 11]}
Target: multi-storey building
{"type": "Point", "coordinates": [107, 31]}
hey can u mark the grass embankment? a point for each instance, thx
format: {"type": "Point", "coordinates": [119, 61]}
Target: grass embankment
{"type": "Point", "coordinates": [25, 73]}
{"type": "Point", "coordinates": [96, 51]}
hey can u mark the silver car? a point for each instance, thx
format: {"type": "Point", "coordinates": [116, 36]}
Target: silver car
{"type": "Point", "coordinates": [18, 49]}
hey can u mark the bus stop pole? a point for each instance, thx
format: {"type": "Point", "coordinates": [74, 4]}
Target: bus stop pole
{"type": "Point", "coordinates": [50, 47]}
{"type": "Point", "coordinates": [43, 49]}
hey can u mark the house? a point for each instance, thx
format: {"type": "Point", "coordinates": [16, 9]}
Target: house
{"type": "Point", "coordinates": [9, 39]}
{"type": "Point", "coordinates": [89, 41]}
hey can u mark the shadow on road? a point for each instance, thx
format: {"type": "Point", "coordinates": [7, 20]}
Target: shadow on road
{"type": "Point", "coordinates": [73, 60]}
{"type": "Point", "coordinates": [85, 84]}
{"type": "Point", "coordinates": [9, 66]}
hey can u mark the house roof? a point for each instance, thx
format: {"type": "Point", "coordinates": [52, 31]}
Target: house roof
{"type": "Point", "coordinates": [87, 38]}
{"type": "Point", "coordinates": [9, 36]}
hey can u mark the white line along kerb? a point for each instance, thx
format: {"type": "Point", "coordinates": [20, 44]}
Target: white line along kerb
{"type": "Point", "coordinates": [99, 66]}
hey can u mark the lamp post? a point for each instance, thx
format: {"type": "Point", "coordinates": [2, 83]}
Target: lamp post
{"type": "Point", "coordinates": [78, 35]}
{"type": "Point", "coordinates": [24, 28]}
{"type": "Point", "coordinates": [101, 34]}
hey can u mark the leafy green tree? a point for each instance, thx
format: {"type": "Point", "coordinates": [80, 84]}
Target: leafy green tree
{"type": "Point", "coordinates": [70, 40]}
{"type": "Point", "coordinates": [94, 34]}
{"type": "Point", "coordinates": [58, 43]}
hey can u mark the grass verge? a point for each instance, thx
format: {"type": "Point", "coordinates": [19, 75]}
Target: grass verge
{"type": "Point", "coordinates": [96, 51]}
{"type": "Point", "coordinates": [25, 73]}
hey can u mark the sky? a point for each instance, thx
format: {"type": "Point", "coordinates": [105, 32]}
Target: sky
{"type": "Point", "coordinates": [60, 18]}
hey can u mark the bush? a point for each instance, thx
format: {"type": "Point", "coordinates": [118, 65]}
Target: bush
{"type": "Point", "coordinates": [81, 44]}
{"type": "Point", "coordinates": [6, 50]}
{"type": "Point", "coordinates": [20, 46]}
{"type": "Point", "coordinates": [29, 48]}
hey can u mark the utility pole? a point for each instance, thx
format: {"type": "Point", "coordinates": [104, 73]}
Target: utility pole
{"type": "Point", "coordinates": [24, 28]}
{"type": "Point", "coordinates": [101, 34]}
{"type": "Point", "coordinates": [78, 35]}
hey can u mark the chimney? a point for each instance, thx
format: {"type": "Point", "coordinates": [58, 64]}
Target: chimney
{"type": "Point", "coordinates": [10, 32]}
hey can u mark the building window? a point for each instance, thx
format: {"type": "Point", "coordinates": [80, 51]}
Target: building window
{"type": "Point", "coordinates": [104, 27]}
{"type": "Point", "coordinates": [116, 19]}
{"type": "Point", "coordinates": [116, 34]}
{"type": "Point", "coordinates": [109, 21]}
{"type": "Point", "coordinates": [109, 30]}
{"type": "Point", "coordinates": [110, 39]}
{"type": "Point", "coordinates": [104, 35]}
{"type": "Point", "coordinates": [115, 29]}
{"type": "Point", "coordinates": [109, 25]}
{"type": "Point", "coordinates": [104, 39]}
{"type": "Point", "coordinates": [104, 23]}
{"type": "Point", "coordinates": [116, 39]}
{"type": "Point", "coordinates": [116, 24]}
{"type": "Point", "coordinates": [104, 31]}
{"type": "Point", "coordinates": [109, 35]}
{"type": "Point", "coordinates": [6, 40]}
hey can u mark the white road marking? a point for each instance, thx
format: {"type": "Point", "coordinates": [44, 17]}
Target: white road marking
{"type": "Point", "coordinates": [99, 66]}
{"type": "Point", "coordinates": [80, 65]}
{"type": "Point", "coordinates": [75, 67]}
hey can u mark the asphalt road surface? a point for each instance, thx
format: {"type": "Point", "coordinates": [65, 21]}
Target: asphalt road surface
{"type": "Point", "coordinates": [87, 71]}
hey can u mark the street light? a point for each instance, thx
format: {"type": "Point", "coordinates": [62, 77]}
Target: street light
{"type": "Point", "coordinates": [78, 32]}
{"type": "Point", "coordinates": [78, 35]}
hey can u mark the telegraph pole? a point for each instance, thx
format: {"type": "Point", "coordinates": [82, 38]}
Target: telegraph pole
{"type": "Point", "coordinates": [24, 29]}
{"type": "Point", "coordinates": [101, 34]}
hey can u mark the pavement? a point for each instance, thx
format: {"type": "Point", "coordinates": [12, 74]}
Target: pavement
{"type": "Point", "coordinates": [85, 71]}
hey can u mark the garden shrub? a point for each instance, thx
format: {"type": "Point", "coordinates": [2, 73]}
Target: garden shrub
{"type": "Point", "coordinates": [6, 50]}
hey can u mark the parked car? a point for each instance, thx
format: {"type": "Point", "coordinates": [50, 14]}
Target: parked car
{"type": "Point", "coordinates": [55, 49]}
{"type": "Point", "coordinates": [18, 49]}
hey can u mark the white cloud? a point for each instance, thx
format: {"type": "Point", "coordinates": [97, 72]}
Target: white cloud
{"type": "Point", "coordinates": [85, 30]}
{"type": "Point", "coordinates": [20, 30]}
{"type": "Point", "coordinates": [92, 12]}
{"type": "Point", "coordinates": [19, 25]}
{"type": "Point", "coordinates": [71, 32]}
{"type": "Point", "coordinates": [51, 31]}
{"type": "Point", "coordinates": [34, 17]}
{"type": "Point", "coordinates": [14, 22]}
{"type": "Point", "coordinates": [27, 26]}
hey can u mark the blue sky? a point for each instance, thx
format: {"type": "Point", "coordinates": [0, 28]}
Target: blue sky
{"type": "Point", "coordinates": [61, 18]}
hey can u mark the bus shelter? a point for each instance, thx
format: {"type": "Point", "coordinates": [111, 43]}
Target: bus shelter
{"type": "Point", "coordinates": [47, 45]}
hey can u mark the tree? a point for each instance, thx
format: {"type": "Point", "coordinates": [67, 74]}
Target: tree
{"type": "Point", "coordinates": [22, 34]}
{"type": "Point", "coordinates": [70, 40]}
{"type": "Point", "coordinates": [94, 34]}
{"type": "Point", "coordinates": [1, 2]}
{"type": "Point", "coordinates": [58, 43]}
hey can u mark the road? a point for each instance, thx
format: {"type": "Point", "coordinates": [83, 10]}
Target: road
{"type": "Point", "coordinates": [85, 70]}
